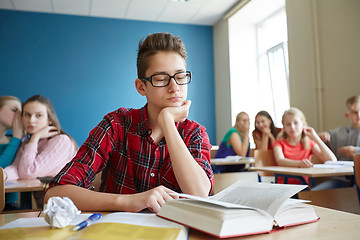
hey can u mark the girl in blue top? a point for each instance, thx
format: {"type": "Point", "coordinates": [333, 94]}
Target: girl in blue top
{"type": "Point", "coordinates": [235, 142]}
{"type": "Point", "coordinates": [10, 118]}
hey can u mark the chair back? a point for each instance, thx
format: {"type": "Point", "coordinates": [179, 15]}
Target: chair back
{"type": "Point", "coordinates": [2, 190]}
{"type": "Point", "coordinates": [356, 158]}
{"type": "Point", "coordinates": [264, 158]}
{"type": "Point", "coordinates": [213, 150]}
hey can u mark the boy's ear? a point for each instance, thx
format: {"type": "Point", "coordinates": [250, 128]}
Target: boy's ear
{"type": "Point", "coordinates": [140, 86]}
{"type": "Point", "coordinates": [347, 115]}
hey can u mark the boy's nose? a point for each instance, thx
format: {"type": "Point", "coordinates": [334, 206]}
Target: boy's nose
{"type": "Point", "coordinates": [173, 85]}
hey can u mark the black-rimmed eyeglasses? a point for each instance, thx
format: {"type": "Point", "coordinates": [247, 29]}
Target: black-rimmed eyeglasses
{"type": "Point", "coordinates": [163, 79]}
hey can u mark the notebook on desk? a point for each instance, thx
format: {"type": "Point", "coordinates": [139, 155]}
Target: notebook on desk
{"type": "Point", "coordinates": [119, 225]}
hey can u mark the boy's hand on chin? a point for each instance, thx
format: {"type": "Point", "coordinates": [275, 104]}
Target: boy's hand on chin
{"type": "Point", "coordinates": [177, 114]}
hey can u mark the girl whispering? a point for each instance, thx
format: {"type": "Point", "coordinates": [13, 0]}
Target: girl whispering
{"type": "Point", "coordinates": [10, 118]}
{"type": "Point", "coordinates": [45, 151]}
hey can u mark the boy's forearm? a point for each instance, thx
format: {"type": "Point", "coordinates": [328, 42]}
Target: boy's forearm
{"type": "Point", "coordinates": [84, 199]}
{"type": "Point", "coordinates": [191, 177]}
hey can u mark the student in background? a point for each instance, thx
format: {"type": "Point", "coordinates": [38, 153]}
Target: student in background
{"type": "Point", "coordinates": [144, 154]}
{"type": "Point", "coordinates": [235, 142]}
{"type": "Point", "coordinates": [297, 142]}
{"type": "Point", "coordinates": [345, 141]}
{"type": "Point", "coordinates": [265, 131]}
{"type": "Point", "coordinates": [10, 118]}
{"type": "Point", "coordinates": [47, 148]}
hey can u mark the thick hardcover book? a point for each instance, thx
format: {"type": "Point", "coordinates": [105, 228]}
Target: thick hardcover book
{"type": "Point", "coordinates": [244, 208]}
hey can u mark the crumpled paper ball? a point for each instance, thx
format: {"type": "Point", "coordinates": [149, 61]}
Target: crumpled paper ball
{"type": "Point", "coordinates": [59, 212]}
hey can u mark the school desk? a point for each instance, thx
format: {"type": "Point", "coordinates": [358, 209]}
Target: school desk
{"type": "Point", "coordinates": [333, 225]}
{"type": "Point", "coordinates": [31, 185]}
{"type": "Point", "coordinates": [312, 173]}
{"type": "Point", "coordinates": [307, 172]}
{"type": "Point", "coordinates": [232, 161]}
{"type": "Point", "coordinates": [24, 186]}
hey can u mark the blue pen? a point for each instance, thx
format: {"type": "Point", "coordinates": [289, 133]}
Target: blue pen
{"type": "Point", "coordinates": [87, 222]}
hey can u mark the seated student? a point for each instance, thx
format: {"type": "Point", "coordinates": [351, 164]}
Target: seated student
{"type": "Point", "coordinates": [47, 148]}
{"type": "Point", "coordinates": [265, 131]}
{"type": "Point", "coordinates": [297, 142]}
{"type": "Point", "coordinates": [235, 142]}
{"type": "Point", "coordinates": [10, 118]}
{"type": "Point", "coordinates": [144, 154]}
{"type": "Point", "coordinates": [344, 142]}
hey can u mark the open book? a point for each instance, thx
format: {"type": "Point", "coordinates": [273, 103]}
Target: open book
{"type": "Point", "coordinates": [119, 225]}
{"type": "Point", "coordinates": [337, 164]}
{"type": "Point", "coordinates": [244, 208]}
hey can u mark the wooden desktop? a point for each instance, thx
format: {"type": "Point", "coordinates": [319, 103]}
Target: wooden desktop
{"type": "Point", "coordinates": [333, 224]}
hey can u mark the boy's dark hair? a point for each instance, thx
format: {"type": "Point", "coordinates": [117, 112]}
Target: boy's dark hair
{"type": "Point", "coordinates": [154, 43]}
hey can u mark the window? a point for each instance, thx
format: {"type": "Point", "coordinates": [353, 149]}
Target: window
{"type": "Point", "coordinates": [259, 60]}
{"type": "Point", "coordinates": [273, 64]}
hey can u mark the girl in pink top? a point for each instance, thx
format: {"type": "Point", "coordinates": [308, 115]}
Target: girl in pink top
{"type": "Point", "coordinates": [297, 142]}
{"type": "Point", "coordinates": [47, 149]}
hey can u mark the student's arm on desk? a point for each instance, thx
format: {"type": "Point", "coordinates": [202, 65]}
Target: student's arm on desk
{"type": "Point", "coordinates": [88, 200]}
{"type": "Point", "coordinates": [282, 161]}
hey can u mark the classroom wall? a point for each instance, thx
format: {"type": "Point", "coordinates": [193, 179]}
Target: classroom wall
{"type": "Point", "coordinates": [222, 76]}
{"type": "Point", "coordinates": [324, 59]}
{"type": "Point", "coordinates": [87, 65]}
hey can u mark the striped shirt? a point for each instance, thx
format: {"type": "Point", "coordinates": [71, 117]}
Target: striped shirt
{"type": "Point", "coordinates": [121, 146]}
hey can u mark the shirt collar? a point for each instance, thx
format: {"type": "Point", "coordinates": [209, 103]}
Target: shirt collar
{"type": "Point", "coordinates": [143, 126]}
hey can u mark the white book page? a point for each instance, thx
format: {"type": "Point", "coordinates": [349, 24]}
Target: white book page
{"type": "Point", "coordinates": [265, 196]}
{"type": "Point", "coordinates": [26, 222]}
{"type": "Point", "coordinates": [345, 163]}
{"type": "Point", "coordinates": [13, 184]}
{"type": "Point", "coordinates": [328, 166]}
{"type": "Point", "coordinates": [211, 200]}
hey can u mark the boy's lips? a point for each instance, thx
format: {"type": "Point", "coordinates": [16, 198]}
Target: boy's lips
{"type": "Point", "coordinates": [175, 99]}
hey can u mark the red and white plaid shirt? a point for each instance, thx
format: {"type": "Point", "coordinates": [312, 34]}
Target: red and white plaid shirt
{"type": "Point", "coordinates": [121, 146]}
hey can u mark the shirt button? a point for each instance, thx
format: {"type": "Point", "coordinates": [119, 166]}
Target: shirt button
{"type": "Point", "coordinates": [152, 174]}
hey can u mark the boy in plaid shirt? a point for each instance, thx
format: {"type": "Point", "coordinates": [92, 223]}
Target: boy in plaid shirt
{"type": "Point", "coordinates": [144, 154]}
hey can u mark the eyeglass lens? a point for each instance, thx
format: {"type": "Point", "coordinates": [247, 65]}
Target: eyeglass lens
{"type": "Point", "coordinates": [164, 79]}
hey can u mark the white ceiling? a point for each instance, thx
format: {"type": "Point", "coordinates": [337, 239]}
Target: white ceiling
{"type": "Point", "coordinates": [201, 12]}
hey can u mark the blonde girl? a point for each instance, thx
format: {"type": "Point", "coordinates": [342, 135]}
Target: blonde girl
{"type": "Point", "coordinates": [10, 118]}
{"type": "Point", "coordinates": [297, 142]}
